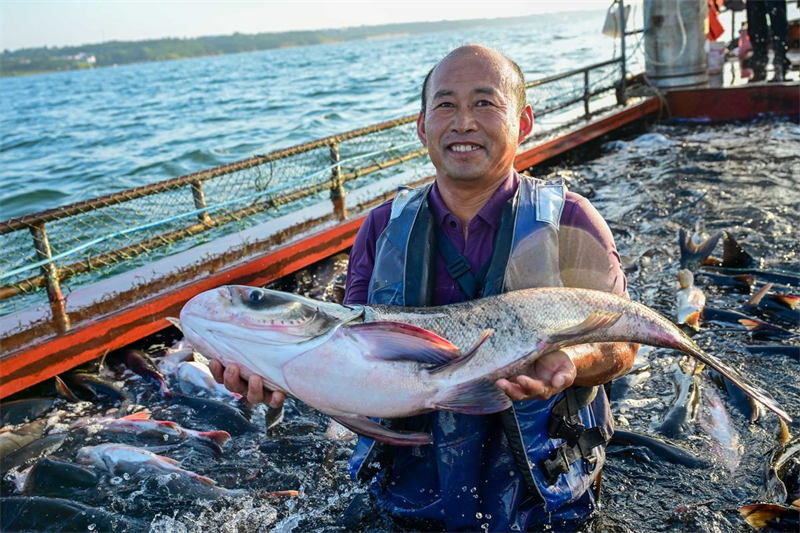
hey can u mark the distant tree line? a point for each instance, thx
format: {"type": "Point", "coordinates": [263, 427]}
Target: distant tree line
{"type": "Point", "coordinates": [40, 60]}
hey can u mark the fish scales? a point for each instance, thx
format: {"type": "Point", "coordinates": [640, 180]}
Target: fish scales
{"type": "Point", "coordinates": [353, 362]}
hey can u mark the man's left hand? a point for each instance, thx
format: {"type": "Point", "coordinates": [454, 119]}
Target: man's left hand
{"type": "Point", "coordinates": [547, 376]}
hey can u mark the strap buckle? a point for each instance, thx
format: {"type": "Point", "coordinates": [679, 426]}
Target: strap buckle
{"type": "Point", "coordinates": [459, 267]}
{"type": "Point", "coordinates": [563, 428]}
{"type": "Point", "coordinates": [555, 465]}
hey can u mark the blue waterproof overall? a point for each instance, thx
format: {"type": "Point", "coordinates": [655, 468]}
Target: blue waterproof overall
{"type": "Point", "coordinates": [470, 476]}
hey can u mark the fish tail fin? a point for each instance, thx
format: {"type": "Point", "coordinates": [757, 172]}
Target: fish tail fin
{"type": "Point", "coordinates": [219, 437]}
{"type": "Point", "coordinates": [687, 345]}
{"type": "Point", "coordinates": [761, 515]}
{"type": "Point", "coordinates": [477, 397]}
{"type": "Point", "coordinates": [693, 320]}
{"type": "Point", "coordinates": [695, 253]}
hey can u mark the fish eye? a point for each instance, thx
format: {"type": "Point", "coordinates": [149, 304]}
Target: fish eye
{"type": "Point", "coordinates": [255, 296]}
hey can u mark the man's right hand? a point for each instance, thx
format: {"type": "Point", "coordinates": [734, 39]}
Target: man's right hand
{"type": "Point", "coordinates": [253, 389]}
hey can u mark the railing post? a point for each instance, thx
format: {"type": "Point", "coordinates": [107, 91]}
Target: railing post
{"type": "Point", "coordinates": [586, 91]}
{"type": "Point", "coordinates": [337, 184]}
{"type": "Point", "coordinates": [621, 96]}
{"type": "Point", "coordinates": [200, 202]}
{"type": "Point", "coordinates": [43, 252]}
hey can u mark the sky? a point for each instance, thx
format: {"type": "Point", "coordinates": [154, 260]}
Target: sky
{"type": "Point", "coordinates": [35, 23]}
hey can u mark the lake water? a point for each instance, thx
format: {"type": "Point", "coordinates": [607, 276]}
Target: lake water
{"type": "Point", "coordinates": [71, 136]}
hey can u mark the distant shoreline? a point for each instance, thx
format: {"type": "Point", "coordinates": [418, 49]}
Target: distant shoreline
{"type": "Point", "coordinates": [44, 60]}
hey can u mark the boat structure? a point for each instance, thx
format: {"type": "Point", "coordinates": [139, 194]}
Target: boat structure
{"type": "Point", "coordinates": [88, 278]}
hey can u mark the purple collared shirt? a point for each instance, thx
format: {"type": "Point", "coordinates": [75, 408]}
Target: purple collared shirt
{"type": "Point", "coordinates": [578, 213]}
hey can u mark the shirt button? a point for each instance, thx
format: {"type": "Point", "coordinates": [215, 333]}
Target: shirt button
{"type": "Point", "coordinates": [452, 223]}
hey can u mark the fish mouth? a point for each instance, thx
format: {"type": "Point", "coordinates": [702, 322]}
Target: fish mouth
{"type": "Point", "coordinates": [223, 331]}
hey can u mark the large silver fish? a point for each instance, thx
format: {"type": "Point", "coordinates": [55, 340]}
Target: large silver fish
{"type": "Point", "coordinates": [354, 362]}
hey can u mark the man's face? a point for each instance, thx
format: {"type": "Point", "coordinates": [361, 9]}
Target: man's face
{"type": "Point", "coordinates": [471, 126]}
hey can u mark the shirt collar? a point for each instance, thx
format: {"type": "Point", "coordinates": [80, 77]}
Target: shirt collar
{"type": "Point", "coordinates": [490, 213]}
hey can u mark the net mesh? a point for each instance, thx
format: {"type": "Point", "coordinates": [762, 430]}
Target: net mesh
{"type": "Point", "coordinates": [82, 243]}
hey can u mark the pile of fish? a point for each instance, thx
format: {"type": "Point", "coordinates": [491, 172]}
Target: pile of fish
{"type": "Point", "coordinates": [117, 444]}
{"type": "Point", "coordinates": [45, 452]}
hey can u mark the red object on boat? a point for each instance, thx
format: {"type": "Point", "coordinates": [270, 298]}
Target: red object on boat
{"type": "Point", "coordinates": [715, 29]}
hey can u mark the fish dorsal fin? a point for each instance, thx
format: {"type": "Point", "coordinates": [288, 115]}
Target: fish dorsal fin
{"type": "Point", "coordinates": [396, 341]}
{"type": "Point", "coordinates": [467, 355]}
{"type": "Point", "coordinates": [141, 415]}
{"type": "Point", "coordinates": [759, 295]}
{"type": "Point", "coordinates": [734, 256]}
{"type": "Point", "coordinates": [595, 321]}
{"type": "Point", "coordinates": [64, 391]}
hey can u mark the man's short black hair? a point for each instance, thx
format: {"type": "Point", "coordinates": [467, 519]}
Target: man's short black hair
{"type": "Point", "coordinates": [517, 86]}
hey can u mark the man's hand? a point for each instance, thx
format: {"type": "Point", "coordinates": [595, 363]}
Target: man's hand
{"type": "Point", "coordinates": [547, 376]}
{"type": "Point", "coordinates": [254, 388]}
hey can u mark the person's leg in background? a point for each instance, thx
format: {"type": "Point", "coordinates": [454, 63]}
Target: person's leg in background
{"type": "Point", "coordinates": [758, 32]}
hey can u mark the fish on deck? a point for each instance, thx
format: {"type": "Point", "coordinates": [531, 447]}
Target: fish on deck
{"type": "Point", "coordinates": [781, 489]}
{"type": "Point", "coordinates": [691, 301]}
{"type": "Point", "coordinates": [686, 379]}
{"type": "Point", "coordinates": [37, 513]}
{"type": "Point", "coordinates": [725, 441]}
{"type": "Point", "coordinates": [406, 361]}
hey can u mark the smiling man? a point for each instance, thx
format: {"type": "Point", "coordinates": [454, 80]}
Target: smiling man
{"type": "Point", "coordinates": [481, 229]}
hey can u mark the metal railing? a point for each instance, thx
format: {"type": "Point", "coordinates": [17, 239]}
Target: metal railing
{"type": "Point", "coordinates": [45, 249]}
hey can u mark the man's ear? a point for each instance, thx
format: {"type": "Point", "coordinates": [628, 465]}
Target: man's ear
{"type": "Point", "coordinates": [421, 129]}
{"type": "Point", "coordinates": [525, 124]}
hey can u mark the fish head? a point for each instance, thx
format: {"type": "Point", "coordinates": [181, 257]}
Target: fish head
{"type": "Point", "coordinates": [90, 455]}
{"type": "Point", "coordinates": [256, 327]}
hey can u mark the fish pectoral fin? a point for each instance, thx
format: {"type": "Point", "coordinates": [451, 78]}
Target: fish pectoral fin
{"type": "Point", "coordinates": [396, 341]}
{"type": "Point", "coordinates": [169, 460]}
{"type": "Point", "coordinates": [477, 397]}
{"type": "Point", "coordinates": [205, 480]}
{"type": "Point", "coordinates": [596, 320]}
{"type": "Point", "coordinates": [467, 355]}
{"type": "Point", "coordinates": [367, 428]}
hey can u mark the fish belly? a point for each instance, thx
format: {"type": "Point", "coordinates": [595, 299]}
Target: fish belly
{"type": "Point", "coordinates": [338, 383]}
